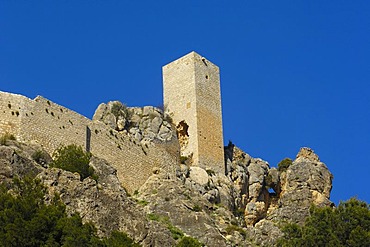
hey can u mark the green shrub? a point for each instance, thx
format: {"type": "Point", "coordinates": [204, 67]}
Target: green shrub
{"type": "Point", "coordinates": [239, 212]}
{"type": "Point", "coordinates": [346, 225]}
{"type": "Point", "coordinates": [175, 232]}
{"type": "Point", "coordinates": [40, 157]}
{"type": "Point", "coordinates": [119, 109]}
{"type": "Point", "coordinates": [116, 109]}
{"type": "Point", "coordinates": [26, 220]}
{"type": "Point", "coordinates": [119, 239]}
{"type": "Point", "coordinates": [142, 202]}
{"type": "Point", "coordinates": [72, 158]}
{"type": "Point", "coordinates": [183, 159]}
{"type": "Point", "coordinates": [5, 137]}
{"type": "Point", "coordinates": [189, 242]}
{"type": "Point", "coordinates": [154, 217]}
{"type": "Point", "coordinates": [36, 156]}
{"type": "Point", "coordinates": [284, 164]}
{"type": "Point", "coordinates": [197, 208]}
{"type": "Point", "coordinates": [234, 228]}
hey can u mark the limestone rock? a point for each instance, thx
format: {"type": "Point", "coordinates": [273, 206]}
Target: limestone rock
{"type": "Point", "coordinates": [18, 160]}
{"type": "Point", "coordinates": [307, 153]}
{"type": "Point", "coordinates": [183, 207]}
{"type": "Point", "coordinates": [110, 120]}
{"type": "Point", "coordinates": [113, 114]}
{"type": "Point", "coordinates": [254, 211]}
{"type": "Point", "coordinates": [100, 112]}
{"type": "Point", "coordinates": [147, 123]}
{"type": "Point", "coordinates": [198, 175]}
{"type": "Point", "coordinates": [257, 171]}
{"type": "Point", "coordinates": [104, 203]}
{"type": "Point", "coordinates": [264, 233]}
{"type": "Point", "coordinates": [156, 124]}
{"type": "Point", "coordinates": [305, 182]}
{"type": "Point", "coordinates": [104, 206]}
{"type": "Point", "coordinates": [273, 180]}
{"type": "Point", "coordinates": [232, 209]}
{"type": "Point", "coordinates": [121, 123]}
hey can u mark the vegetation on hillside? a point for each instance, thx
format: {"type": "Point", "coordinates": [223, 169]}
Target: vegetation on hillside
{"type": "Point", "coordinates": [5, 137]}
{"type": "Point", "coordinates": [176, 233]}
{"type": "Point", "coordinates": [26, 220]}
{"type": "Point", "coordinates": [72, 158]}
{"type": "Point", "coordinates": [346, 225]}
{"type": "Point", "coordinates": [189, 242]}
{"type": "Point", "coordinates": [284, 164]}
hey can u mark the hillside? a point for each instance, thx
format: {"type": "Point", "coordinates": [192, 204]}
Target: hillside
{"type": "Point", "coordinates": [245, 207]}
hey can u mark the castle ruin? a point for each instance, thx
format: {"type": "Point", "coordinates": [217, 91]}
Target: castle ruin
{"type": "Point", "coordinates": [191, 94]}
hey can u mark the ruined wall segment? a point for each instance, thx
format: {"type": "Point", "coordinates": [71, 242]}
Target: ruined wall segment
{"type": "Point", "coordinates": [50, 125]}
{"type": "Point", "coordinates": [134, 162]}
{"type": "Point", "coordinates": [192, 96]}
{"type": "Point", "coordinates": [10, 111]}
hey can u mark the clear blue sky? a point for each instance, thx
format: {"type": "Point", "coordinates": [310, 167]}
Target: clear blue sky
{"type": "Point", "coordinates": [293, 73]}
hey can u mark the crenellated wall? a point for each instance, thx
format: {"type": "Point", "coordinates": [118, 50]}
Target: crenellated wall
{"type": "Point", "coordinates": [51, 126]}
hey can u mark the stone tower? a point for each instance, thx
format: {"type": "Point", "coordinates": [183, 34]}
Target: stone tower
{"type": "Point", "coordinates": [191, 92]}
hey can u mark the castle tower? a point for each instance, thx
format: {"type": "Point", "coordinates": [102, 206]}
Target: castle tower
{"type": "Point", "coordinates": [191, 92]}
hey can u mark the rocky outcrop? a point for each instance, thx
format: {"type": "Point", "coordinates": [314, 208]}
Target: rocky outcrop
{"type": "Point", "coordinates": [307, 181]}
{"type": "Point", "coordinates": [103, 202]}
{"type": "Point", "coordinates": [243, 207]}
{"type": "Point", "coordinates": [268, 196]}
{"type": "Point", "coordinates": [144, 124]}
{"type": "Point", "coordinates": [182, 207]}
{"type": "Point", "coordinates": [18, 160]}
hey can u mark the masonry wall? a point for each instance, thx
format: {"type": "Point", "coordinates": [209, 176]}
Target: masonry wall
{"type": "Point", "coordinates": [192, 94]}
{"type": "Point", "coordinates": [209, 115]}
{"type": "Point", "coordinates": [180, 99]}
{"type": "Point", "coordinates": [51, 126]}
{"type": "Point", "coordinates": [10, 112]}
{"type": "Point", "coordinates": [135, 162]}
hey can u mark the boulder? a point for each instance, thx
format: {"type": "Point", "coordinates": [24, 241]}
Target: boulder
{"type": "Point", "coordinates": [198, 175]}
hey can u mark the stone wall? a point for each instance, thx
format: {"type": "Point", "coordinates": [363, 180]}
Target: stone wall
{"type": "Point", "coordinates": [10, 111]}
{"type": "Point", "coordinates": [51, 126]}
{"type": "Point", "coordinates": [192, 97]}
{"type": "Point", "coordinates": [180, 101]}
{"type": "Point", "coordinates": [209, 114]}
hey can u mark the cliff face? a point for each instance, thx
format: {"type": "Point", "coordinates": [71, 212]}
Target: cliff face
{"type": "Point", "coordinates": [242, 208]}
